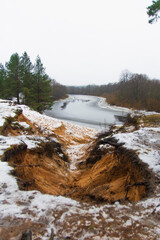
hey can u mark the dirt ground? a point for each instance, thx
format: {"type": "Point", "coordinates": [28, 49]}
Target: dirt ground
{"type": "Point", "coordinates": [98, 176]}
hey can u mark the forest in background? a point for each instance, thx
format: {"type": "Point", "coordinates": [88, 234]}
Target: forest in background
{"type": "Point", "coordinates": [133, 90]}
{"type": "Point", "coordinates": [28, 83]}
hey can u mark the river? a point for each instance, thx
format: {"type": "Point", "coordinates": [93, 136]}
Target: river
{"type": "Point", "coordinates": [89, 111]}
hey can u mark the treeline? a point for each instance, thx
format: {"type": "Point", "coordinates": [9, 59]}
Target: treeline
{"type": "Point", "coordinates": [92, 89]}
{"type": "Point", "coordinates": [28, 83]}
{"type": "Point", "coordinates": [58, 91]}
{"type": "Point", "coordinates": [133, 91]}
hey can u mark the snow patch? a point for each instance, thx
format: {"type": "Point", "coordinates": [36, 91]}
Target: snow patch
{"type": "Point", "coordinates": [45, 123]}
{"type": "Point", "coordinates": [24, 124]}
{"type": "Point", "coordinates": [145, 142]}
{"type": "Point", "coordinates": [127, 223]}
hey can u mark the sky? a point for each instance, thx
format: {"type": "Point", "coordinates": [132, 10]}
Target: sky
{"type": "Point", "coordinates": [82, 42]}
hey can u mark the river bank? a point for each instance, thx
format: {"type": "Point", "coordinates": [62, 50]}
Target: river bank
{"type": "Point", "coordinates": [56, 170]}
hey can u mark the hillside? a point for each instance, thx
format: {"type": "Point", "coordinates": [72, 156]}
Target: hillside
{"type": "Point", "coordinates": [62, 181]}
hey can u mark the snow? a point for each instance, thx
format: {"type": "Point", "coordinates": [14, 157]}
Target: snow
{"type": "Point", "coordinates": [75, 152]}
{"type": "Point", "coordinates": [6, 143]}
{"type": "Point", "coordinates": [103, 104]}
{"type": "Point", "coordinates": [146, 142]}
{"type": "Point", "coordinates": [24, 124]}
{"type": "Point", "coordinates": [31, 141]}
{"type": "Point", "coordinates": [127, 223]}
{"type": "Point", "coordinates": [45, 123]}
{"type": "Point", "coordinates": [79, 131]}
{"type": "Point", "coordinates": [2, 121]}
{"type": "Point", "coordinates": [10, 194]}
{"type": "Point", "coordinates": [90, 221]}
{"type": "Point", "coordinates": [7, 109]}
{"type": "Point", "coordinates": [151, 202]}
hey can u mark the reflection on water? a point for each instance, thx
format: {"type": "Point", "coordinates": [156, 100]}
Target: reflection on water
{"type": "Point", "coordinates": [85, 110]}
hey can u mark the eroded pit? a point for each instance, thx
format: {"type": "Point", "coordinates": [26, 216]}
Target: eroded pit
{"type": "Point", "coordinates": [108, 174]}
{"type": "Point", "coordinates": [115, 177]}
{"type": "Point", "coordinates": [44, 168]}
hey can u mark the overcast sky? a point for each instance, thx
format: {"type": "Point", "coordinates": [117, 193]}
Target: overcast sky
{"type": "Point", "coordinates": [82, 42]}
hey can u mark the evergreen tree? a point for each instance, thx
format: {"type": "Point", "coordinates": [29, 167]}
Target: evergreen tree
{"type": "Point", "coordinates": [42, 88]}
{"type": "Point", "coordinates": [153, 11]}
{"type": "Point", "coordinates": [2, 81]}
{"type": "Point", "coordinates": [26, 76]}
{"type": "Point", "coordinates": [13, 85]}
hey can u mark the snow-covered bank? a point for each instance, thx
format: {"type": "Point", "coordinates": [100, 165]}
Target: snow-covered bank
{"type": "Point", "coordinates": [103, 104]}
{"type": "Point", "coordinates": [146, 142]}
{"type": "Point", "coordinates": [45, 123]}
{"type": "Point", "coordinates": [20, 210]}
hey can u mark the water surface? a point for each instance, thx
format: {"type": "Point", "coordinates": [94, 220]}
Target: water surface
{"type": "Point", "coordinates": [90, 111]}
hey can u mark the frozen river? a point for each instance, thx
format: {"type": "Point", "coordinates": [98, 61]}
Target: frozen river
{"type": "Point", "coordinates": [90, 111]}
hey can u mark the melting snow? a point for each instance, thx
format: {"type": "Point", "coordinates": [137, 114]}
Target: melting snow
{"type": "Point", "coordinates": [68, 217]}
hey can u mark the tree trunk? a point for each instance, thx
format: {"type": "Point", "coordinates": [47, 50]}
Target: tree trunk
{"type": "Point", "coordinates": [17, 85]}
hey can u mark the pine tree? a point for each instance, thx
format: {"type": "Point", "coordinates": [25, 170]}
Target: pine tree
{"type": "Point", "coordinates": [2, 81]}
{"type": "Point", "coordinates": [13, 85]}
{"type": "Point", "coordinates": [26, 76]}
{"type": "Point", "coordinates": [153, 11]}
{"type": "Point", "coordinates": [21, 77]}
{"type": "Point", "coordinates": [42, 88]}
